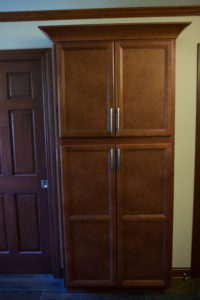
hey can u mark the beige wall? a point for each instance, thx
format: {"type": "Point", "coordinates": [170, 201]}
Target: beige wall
{"type": "Point", "coordinates": [24, 5]}
{"type": "Point", "coordinates": [26, 35]}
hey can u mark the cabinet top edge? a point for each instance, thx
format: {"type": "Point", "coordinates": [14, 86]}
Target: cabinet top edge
{"type": "Point", "coordinates": [114, 31]}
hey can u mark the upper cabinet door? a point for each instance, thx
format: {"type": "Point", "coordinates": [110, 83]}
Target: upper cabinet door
{"type": "Point", "coordinates": [85, 89]}
{"type": "Point", "coordinates": [145, 87]}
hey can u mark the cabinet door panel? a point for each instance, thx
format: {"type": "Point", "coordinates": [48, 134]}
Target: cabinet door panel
{"type": "Point", "coordinates": [85, 81]}
{"type": "Point", "coordinates": [89, 202]}
{"type": "Point", "coordinates": [145, 88]}
{"type": "Point", "coordinates": [142, 242]}
{"type": "Point", "coordinates": [145, 199]}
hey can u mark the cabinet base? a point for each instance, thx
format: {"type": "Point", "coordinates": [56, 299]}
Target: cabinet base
{"type": "Point", "coordinates": [136, 290]}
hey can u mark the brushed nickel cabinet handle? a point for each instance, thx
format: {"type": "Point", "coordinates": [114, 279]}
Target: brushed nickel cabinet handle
{"type": "Point", "coordinates": [111, 120]}
{"type": "Point", "coordinates": [112, 160]}
{"type": "Point", "coordinates": [118, 119]}
{"type": "Point", "coordinates": [119, 162]}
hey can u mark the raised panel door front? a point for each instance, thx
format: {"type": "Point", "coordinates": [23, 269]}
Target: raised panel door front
{"type": "Point", "coordinates": [145, 87]}
{"type": "Point", "coordinates": [89, 205]}
{"type": "Point", "coordinates": [145, 199]}
{"type": "Point", "coordinates": [86, 92]}
{"type": "Point", "coordinates": [24, 216]}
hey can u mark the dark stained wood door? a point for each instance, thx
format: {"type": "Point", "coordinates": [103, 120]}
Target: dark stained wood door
{"type": "Point", "coordinates": [89, 204]}
{"type": "Point", "coordinates": [144, 192]}
{"type": "Point", "coordinates": [86, 91]}
{"type": "Point", "coordinates": [145, 87]}
{"type": "Point", "coordinates": [24, 220]}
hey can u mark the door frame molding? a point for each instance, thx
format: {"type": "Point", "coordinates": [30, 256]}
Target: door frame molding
{"type": "Point", "coordinates": [49, 119]}
{"type": "Point", "coordinates": [195, 263]}
{"type": "Point", "coordinates": [44, 56]}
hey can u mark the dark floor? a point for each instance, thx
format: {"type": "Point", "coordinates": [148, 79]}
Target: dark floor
{"type": "Point", "coordinates": [44, 287]}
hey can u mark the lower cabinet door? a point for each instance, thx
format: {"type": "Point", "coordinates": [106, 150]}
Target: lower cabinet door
{"type": "Point", "coordinates": [145, 201]}
{"type": "Point", "coordinates": [89, 205]}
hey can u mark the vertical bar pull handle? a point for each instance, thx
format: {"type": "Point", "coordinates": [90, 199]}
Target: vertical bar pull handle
{"type": "Point", "coordinates": [119, 162]}
{"type": "Point", "coordinates": [112, 160]}
{"type": "Point", "coordinates": [111, 120]}
{"type": "Point", "coordinates": [118, 119]}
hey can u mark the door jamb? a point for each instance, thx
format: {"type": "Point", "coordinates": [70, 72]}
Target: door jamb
{"type": "Point", "coordinates": [49, 119]}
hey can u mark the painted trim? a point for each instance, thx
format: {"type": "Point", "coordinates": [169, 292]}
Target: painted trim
{"type": "Point", "coordinates": [99, 13]}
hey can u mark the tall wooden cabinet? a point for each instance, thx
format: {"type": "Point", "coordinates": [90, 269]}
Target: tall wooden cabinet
{"type": "Point", "coordinates": [115, 105]}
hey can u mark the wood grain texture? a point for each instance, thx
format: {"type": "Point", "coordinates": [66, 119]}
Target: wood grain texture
{"type": "Point", "coordinates": [22, 126]}
{"type": "Point", "coordinates": [114, 31]}
{"type": "Point", "coordinates": [145, 87]}
{"type": "Point", "coordinates": [3, 231]}
{"type": "Point", "coordinates": [100, 13]}
{"type": "Point", "coordinates": [144, 73]}
{"type": "Point", "coordinates": [19, 85]}
{"type": "Point", "coordinates": [28, 223]}
{"type": "Point", "coordinates": [83, 91]}
{"type": "Point", "coordinates": [144, 200]}
{"type": "Point", "coordinates": [115, 140]}
{"type": "Point", "coordinates": [144, 193]}
{"type": "Point", "coordinates": [22, 136]}
{"type": "Point", "coordinates": [195, 265]}
{"type": "Point", "coordinates": [49, 116]}
{"type": "Point", "coordinates": [88, 192]}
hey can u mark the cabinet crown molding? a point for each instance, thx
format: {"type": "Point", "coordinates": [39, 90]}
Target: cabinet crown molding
{"type": "Point", "coordinates": [114, 31]}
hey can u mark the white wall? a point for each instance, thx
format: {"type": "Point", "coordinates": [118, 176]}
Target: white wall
{"type": "Point", "coordinates": [26, 35]}
{"type": "Point", "coordinates": [23, 5]}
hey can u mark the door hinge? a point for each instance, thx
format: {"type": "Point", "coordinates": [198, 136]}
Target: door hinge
{"type": "Point", "coordinates": [44, 184]}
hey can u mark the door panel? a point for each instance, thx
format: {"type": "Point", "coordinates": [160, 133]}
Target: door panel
{"type": "Point", "coordinates": [25, 233]}
{"type": "Point", "coordinates": [28, 222]}
{"type": "Point", "coordinates": [22, 140]}
{"type": "Point", "coordinates": [144, 191]}
{"type": "Point", "coordinates": [144, 71]}
{"type": "Point", "coordinates": [86, 89]}
{"type": "Point", "coordinates": [19, 85]}
{"type": "Point", "coordinates": [88, 251]}
{"type": "Point", "coordinates": [90, 214]}
{"type": "Point", "coordinates": [142, 242]}
{"type": "Point", "coordinates": [3, 233]}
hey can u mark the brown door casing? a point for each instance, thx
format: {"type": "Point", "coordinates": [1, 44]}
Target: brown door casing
{"type": "Point", "coordinates": [25, 243]}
